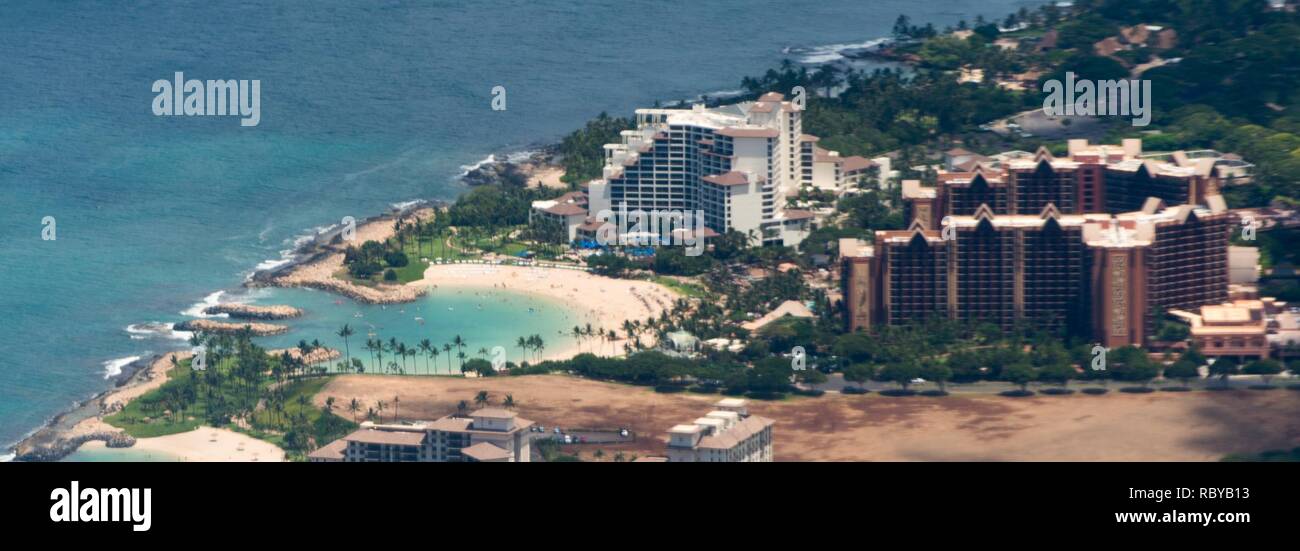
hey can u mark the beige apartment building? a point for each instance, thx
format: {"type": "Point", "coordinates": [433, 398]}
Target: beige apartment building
{"type": "Point", "coordinates": [725, 435]}
{"type": "Point", "coordinates": [487, 435]}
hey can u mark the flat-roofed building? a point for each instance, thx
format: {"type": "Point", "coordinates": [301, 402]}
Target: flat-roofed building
{"type": "Point", "coordinates": [1237, 328]}
{"type": "Point", "coordinates": [487, 435]}
{"type": "Point", "coordinates": [724, 435]}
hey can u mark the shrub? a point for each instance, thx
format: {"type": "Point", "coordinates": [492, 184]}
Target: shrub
{"type": "Point", "coordinates": [853, 390]}
{"type": "Point", "coordinates": [396, 259]}
{"type": "Point", "coordinates": [390, 275]}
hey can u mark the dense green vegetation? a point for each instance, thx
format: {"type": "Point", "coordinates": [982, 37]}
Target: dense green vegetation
{"type": "Point", "coordinates": [582, 152]}
{"type": "Point", "coordinates": [243, 388]}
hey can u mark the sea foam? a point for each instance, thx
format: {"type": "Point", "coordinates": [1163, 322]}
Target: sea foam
{"type": "Point", "coordinates": [113, 368]}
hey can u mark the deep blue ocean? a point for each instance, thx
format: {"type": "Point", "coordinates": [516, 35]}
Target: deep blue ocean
{"type": "Point", "coordinates": [363, 105]}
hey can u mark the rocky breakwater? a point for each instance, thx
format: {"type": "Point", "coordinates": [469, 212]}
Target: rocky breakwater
{"type": "Point", "coordinates": [251, 312]}
{"type": "Point", "coordinates": [61, 448]}
{"type": "Point", "coordinates": [210, 326]}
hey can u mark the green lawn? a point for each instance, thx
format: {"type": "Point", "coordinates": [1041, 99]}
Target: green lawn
{"type": "Point", "coordinates": [144, 417]}
{"type": "Point", "coordinates": [186, 398]}
{"type": "Point", "coordinates": [685, 289]}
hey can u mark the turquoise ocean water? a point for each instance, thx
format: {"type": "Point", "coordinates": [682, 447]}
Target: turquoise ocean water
{"type": "Point", "coordinates": [363, 105]}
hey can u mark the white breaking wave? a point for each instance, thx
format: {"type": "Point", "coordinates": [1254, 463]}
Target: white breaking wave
{"type": "Point", "coordinates": [196, 311]}
{"type": "Point", "coordinates": [406, 204]}
{"type": "Point", "coordinates": [7, 458]}
{"type": "Point", "coordinates": [154, 329]}
{"type": "Point", "coordinates": [287, 255]}
{"type": "Point", "coordinates": [832, 52]}
{"type": "Point", "coordinates": [466, 169]}
{"type": "Point", "coordinates": [113, 368]}
{"type": "Point", "coordinates": [520, 156]}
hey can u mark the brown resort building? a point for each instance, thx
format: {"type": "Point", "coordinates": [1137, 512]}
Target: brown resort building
{"type": "Point", "coordinates": [1098, 243]}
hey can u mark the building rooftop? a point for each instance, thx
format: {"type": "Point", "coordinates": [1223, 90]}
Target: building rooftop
{"type": "Point", "coordinates": [733, 178]}
{"type": "Point", "coordinates": [855, 248]}
{"type": "Point", "coordinates": [388, 437]}
{"type": "Point", "coordinates": [737, 433]}
{"type": "Point", "coordinates": [792, 308]}
{"type": "Point", "coordinates": [494, 413]}
{"type": "Point", "coordinates": [485, 451]}
{"type": "Point", "coordinates": [332, 451]}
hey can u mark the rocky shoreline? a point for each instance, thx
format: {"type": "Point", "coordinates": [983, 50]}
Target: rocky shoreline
{"type": "Point", "coordinates": [56, 439]}
{"type": "Point", "coordinates": [230, 328]}
{"type": "Point", "coordinates": [249, 311]}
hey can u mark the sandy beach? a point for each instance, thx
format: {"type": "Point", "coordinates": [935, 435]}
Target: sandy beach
{"type": "Point", "coordinates": [205, 444]}
{"type": "Point", "coordinates": [601, 301]}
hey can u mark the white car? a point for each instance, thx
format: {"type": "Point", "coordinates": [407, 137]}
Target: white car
{"type": "Point", "coordinates": [918, 381]}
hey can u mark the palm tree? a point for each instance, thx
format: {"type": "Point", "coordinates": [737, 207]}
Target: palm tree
{"type": "Point", "coordinates": [425, 346]}
{"type": "Point", "coordinates": [459, 343]}
{"type": "Point", "coordinates": [522, 343]}
{"type": "Point", "coordinates": [509, 402]}
{"type": "Point", "coordinates": [433, 354]}
{"type": "Point", "coordinates": [412, 353]}
{"type": "Point", "coordinates": [481, 398]}
{"type": "Point", "coordinates": [346, 332]}
{"type": "Point", "coordinates": [446, 347]}
{"type": "Point", "coordinates": [401, 351]}
{"type": "Point", "coordinates": [354, 406]}
{"type": "Point", "coordinates": [396, 402]}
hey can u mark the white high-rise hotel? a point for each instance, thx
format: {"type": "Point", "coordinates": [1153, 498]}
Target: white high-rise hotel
{"type": "Point", "coordinates": [735, 163]}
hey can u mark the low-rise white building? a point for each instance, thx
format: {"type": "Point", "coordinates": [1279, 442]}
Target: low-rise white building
{"type": "Point", "coordinates": [726, 435]}
{"type": "Point", "coordinates": [568, 210]}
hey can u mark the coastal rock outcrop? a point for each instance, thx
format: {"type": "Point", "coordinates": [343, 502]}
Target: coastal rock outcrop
{"type": "Point", "coordinates": [210, 326]}
{"type": "Point", "coordinates": [62, 447]}
{"type": "Point", "coordinates": [249, 311]}
{"type": "Point", "coordinates": [316, 356]}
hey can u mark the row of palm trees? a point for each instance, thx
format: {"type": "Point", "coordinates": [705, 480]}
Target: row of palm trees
{"type": "Point", "coordinates": [402, 352]}
{"type": "Point", "coordinates": [376, 412]}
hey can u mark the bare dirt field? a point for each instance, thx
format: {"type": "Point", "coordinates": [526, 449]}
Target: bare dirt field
{"type": "Point", "coordinates": [1160, 426]}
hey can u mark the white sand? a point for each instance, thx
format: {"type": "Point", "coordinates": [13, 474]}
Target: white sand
{"type": "Point", "coordinates": [207, 444]}
{"type": "Point", "coordinates": [601, 301]}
